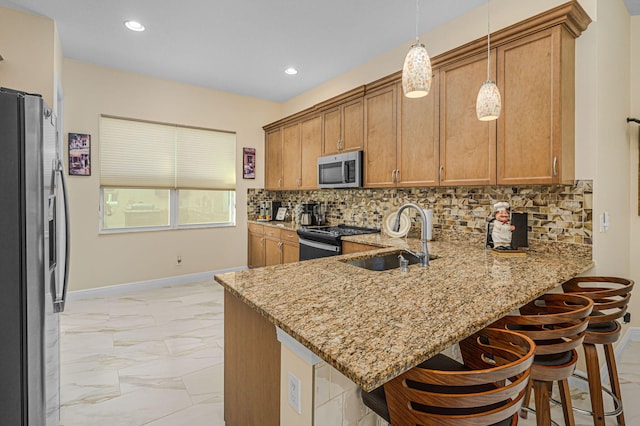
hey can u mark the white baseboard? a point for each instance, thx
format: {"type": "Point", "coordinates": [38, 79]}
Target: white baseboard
{"type": "Point", "coordinates": [632, 335]}
{"type": "Point", "coordinates": [118, 289]}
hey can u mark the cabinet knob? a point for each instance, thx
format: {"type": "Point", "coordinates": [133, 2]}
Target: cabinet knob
{"type": "Point", "coordinates": [555, 166]}
{"type": "Point", "coordinates": [440, 172]}
{"type": "Point", "coordinates": [397, 175]}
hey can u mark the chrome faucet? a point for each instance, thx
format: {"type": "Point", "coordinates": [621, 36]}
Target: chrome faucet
{"type": "Point", "coordinates": [424, 254]}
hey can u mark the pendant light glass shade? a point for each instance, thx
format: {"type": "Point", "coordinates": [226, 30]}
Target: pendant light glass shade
{"type": "Point", "coordinates": [489, 102]}
{"type": "Point", "coordinates": [416, 72]}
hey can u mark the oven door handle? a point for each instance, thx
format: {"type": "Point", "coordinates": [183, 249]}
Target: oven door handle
{"type": "Point", "coordinates": [320, 246]}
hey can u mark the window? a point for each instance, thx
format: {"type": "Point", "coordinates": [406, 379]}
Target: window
{"type": "Point", "coordinates": [160, 176]}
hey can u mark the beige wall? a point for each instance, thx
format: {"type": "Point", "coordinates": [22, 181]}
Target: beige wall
{"type": "Point", "coordinates": [102, 260]}
{"type": "Point", "coordinates": [603, 98]}
{"type": "Point", "coordinates": [634, 140]}
{"type": "Point", "coordinates": [29, 47]}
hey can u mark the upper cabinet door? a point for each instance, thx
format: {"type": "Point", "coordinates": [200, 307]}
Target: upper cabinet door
{"type": "Point", "coordinates": [467, 145]}
{"type": "Point", "coordinates": [273, 159]}
{"type": "Point", "coordinates": [417, 146]}
{"type": "Point", "coordinates": [291, 156]}
{"type": "Point", "coordinates": [352, 125]}
{"type": "Point", "coordinates": [380, 137]}
{"type": "Point", "coordinates": [310, 150]}
{"type": "Point", "coordinates": [332, 130]}
{"type": "Point", "coordinates": [536, 127]}
{"type": "Point", "coordinates": [343, 127]}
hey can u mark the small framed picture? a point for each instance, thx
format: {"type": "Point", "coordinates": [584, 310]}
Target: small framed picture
{"type": "Point", "coordinates": [79, 154]}
{"type": "Point", "coordinates": [248, 163]}
{"type": "Point", "coordinates": [282, 213]}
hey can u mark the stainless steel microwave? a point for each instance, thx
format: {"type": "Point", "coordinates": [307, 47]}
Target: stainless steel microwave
{"type": "Point", "coordinates": [342, 170]}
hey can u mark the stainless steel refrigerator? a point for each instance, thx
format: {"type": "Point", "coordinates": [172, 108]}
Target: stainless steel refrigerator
{"type": "Point", "coordinates": [34, 256]}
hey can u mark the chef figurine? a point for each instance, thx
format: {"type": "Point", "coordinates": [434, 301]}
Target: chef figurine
{"type": "Point", "coordinates": [502, 228]}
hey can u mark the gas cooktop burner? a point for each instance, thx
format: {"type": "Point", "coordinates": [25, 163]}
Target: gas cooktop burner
{"type": "Point", "coordinates": [337, 231]}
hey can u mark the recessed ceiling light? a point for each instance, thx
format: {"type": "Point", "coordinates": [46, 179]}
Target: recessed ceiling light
{"type": "Point", "coordinates": [134, 25]}
{"type": "Point", "coordinates": [291, 71]}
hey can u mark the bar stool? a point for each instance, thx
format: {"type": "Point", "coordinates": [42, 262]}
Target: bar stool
{"type": "Point", "coordinates": [611, 297]}
{"type": "Point", "coordinates": [556, 322]}
{"type": "Point", "coordinates": [488, 389]}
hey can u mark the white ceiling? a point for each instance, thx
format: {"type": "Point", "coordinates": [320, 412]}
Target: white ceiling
{"type": "Point", "coordinates": [242, 46]}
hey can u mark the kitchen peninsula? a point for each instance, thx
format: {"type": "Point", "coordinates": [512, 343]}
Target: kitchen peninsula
{"type": "Point", "coordinates": [372, 326]}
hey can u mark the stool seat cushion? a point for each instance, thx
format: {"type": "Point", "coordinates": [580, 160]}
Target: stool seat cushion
{"type": "Point", "coordinates": [551, 360]}
{"type": "Point", "coordinates": [601, 327]}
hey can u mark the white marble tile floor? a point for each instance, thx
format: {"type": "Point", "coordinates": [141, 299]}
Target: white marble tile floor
{"type": "Point", "coordinates": [155, 357]}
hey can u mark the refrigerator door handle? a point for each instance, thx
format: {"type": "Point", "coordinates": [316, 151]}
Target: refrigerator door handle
{"type": "Point", "coordinates": [59, 300]}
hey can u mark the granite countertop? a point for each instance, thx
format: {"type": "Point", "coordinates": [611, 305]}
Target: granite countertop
{"type": "Point", "coordinates": [291, 226]}
{"type": "Point", "coordinates": [372, 326]}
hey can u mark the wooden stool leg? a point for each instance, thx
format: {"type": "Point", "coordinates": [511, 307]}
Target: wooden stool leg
{"type": "Point", "coordinates": [613, 378]}
{"type": "Point", "coordinates": [527, 397]}
{"type": "Point", "coordinates": [542, 392]}
{"type": "Point", "coordinates": [595, 384]}
{"type": "Point", "coordinates": [567, 408]}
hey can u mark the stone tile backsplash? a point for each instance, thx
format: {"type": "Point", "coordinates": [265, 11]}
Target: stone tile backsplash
{"type": "Point", "coordinates": [559, 213]}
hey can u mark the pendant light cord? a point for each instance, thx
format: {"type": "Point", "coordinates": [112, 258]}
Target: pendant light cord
{"type": "Point", "coordinates": [488, 39]}
{"type": "Point", "coordinates": [417, 14]}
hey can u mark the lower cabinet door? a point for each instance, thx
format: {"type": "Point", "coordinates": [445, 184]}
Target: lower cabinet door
{"type": "Point", "coordinates": [272, 252]}
{"type": "Point", "coordinates": [290, 252]}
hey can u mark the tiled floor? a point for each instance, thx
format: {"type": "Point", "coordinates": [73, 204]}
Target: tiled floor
{"type": "Point", "coordinates": [148, 358]}
{"type": "Point", "coordinates": [155, 357]}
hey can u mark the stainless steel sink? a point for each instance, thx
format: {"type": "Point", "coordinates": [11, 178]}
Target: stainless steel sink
{"type": "Point", "coordinates": [385, 262]}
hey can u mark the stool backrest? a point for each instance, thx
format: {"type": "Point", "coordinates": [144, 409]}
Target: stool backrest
{"type": "Point", "coordinates": [556, 322]}
{"type": "Point", "coordinates": [610, 295]}
{"type": "Point", "coordinates": [490, 389]}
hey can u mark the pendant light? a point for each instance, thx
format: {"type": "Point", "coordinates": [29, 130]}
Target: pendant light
{"type": "Point", "coordinates": [489, 101]}
{"type": "Point", "coordinates": [416, 72]}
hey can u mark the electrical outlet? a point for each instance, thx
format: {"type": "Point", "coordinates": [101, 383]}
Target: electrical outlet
{"type": "Point", "coordinates": [294, 393]}
{"type": "Point", "coordinates": [178, 260]}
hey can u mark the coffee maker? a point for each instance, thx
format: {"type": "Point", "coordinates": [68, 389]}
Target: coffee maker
{"type": "Point", "coordinates": [268, 210]}
{"type": "Point", "coordinates": [309, 214]}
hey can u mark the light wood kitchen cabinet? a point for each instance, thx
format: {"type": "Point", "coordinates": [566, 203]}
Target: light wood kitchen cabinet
{"type": "Point", "coordinates": [343, 127]}
{"type": "Point", "coordinates": [380, 137]}
{"type": "Point", "coordinates": [273, 159]}
{"type": "Point", "coordinates": [272, 252]}
{"type": "Point", "coordinates": [310, 150]}
{"type": "Point", "coordinates": [269, 245]}
{"type": "Point", "coordinates": [438, 140]}
{"type": "Point", "coordinates": [467, 145]}
{"type": "Point", "coordinates": [294, 149]}
{"type": "Point", "coordinates": [256, 246]}
{"type": "Point", "coordinates": [349, 247]}
{"type": "Point", "coordinates": [272, 246]}
{"type": "Point", "coordinates": [290, 246]}
{"type": "Point", "coordinates": [401, 143]}
{"type": "Point", "coordinates": [418, 140]}
{"type": "Point", "coordinates": [251, 366]}
{"type": "Point", "coordinates": [290, 156]}
{"type": "Point", "coordinates": [536, 127]}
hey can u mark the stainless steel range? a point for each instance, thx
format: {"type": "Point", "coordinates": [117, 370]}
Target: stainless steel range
{"type": "Point", "coordinates": [326, 241]}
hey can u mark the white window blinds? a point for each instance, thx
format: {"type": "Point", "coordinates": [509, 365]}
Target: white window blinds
{"type": "Point", "coordinates": [150, 155]}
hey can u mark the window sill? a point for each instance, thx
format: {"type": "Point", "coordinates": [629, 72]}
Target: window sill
{"type": "Point", "coordinates": [164, 228]}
